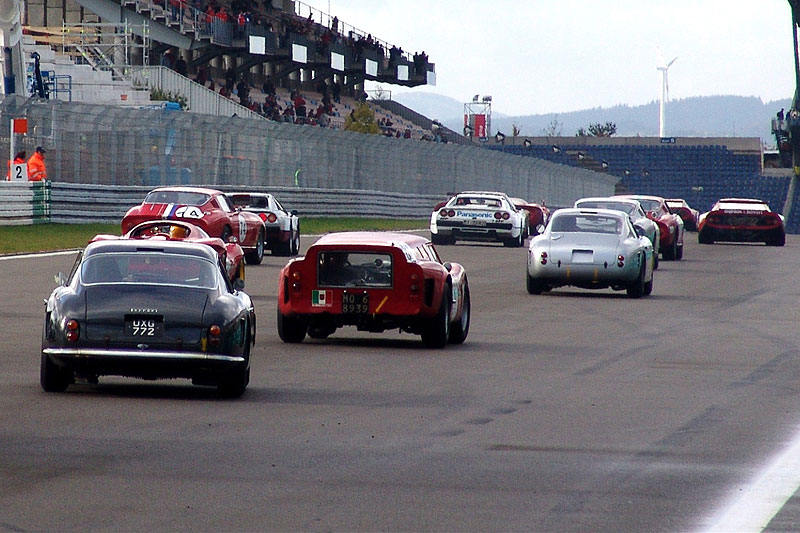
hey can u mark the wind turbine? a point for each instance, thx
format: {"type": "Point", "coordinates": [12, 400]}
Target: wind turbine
{"type": "Point", "coordinates": [664, 68]}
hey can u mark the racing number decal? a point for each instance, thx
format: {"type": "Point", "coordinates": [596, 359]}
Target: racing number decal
{"type": "Point", "coordinates": [242, 230]}
{"type": "Point", "coordinates": [185, 211]}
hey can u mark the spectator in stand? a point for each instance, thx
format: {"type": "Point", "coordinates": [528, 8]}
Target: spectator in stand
{"type": "Point", "coordinates": [37, 171]}
{"type": "Point", "coordinates": [168, 58]}
{"type": "Point", "coordinates": [288, 113]}
{"type": "Point", "coordinates": [243, 90]}
{"type": "Point", "coordinates": [407, 134]}
{"type": "Point", "coordinates": [299, 105]}
{"type": "Point", "coordinates": [230, 79]}
{"type": "Point", "coordinates": [336, 90]}
{"type": "Point", "coordinates": [268, 88]}
{"type": "Point", "coordinates": [202, 76]}
{"type": "Point", "coordinates": [223, 91]}
{"type": "Point", "coordinates": [212, 86]}
{"type": "Point", "coordinates": [180, 66]}
{"type": "Point", "coordinates": [335, 24]}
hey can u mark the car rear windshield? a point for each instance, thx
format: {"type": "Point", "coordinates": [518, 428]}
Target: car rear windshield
{"type": "Point", "coordinates": [587, 224]}
{"type": "Point", "coordinates": [354, 269]}
{"type": "Point", "coordinates": [477, 201]}
{"type": "Point", "coordinates": [176, 197]}
{"type": "Point", "coordinates": [149, 268]}
{"type": "Point", "coordinates": [616, 206]}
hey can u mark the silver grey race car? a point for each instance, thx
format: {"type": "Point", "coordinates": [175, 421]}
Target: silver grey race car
{"type": "Point", "coordinates": [591, 249]}
{"type": "Point", "coordinates": [634, 210]}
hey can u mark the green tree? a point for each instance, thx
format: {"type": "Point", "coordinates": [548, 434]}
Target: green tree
{"type": "Point", "coordinates": [598, 130]}
{"type": "Point", "coordinates": [362, 120]}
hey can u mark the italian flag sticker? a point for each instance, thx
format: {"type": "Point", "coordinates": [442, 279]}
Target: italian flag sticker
{"type": "Point", "coordinates": [321, 298]}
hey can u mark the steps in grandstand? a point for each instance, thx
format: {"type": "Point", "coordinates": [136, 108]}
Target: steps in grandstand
{"type": "Point", "coordinates": [75, 80]}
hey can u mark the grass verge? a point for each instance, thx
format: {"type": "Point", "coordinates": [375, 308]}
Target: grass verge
{"type": "Point", "coordinates": [51, 237]}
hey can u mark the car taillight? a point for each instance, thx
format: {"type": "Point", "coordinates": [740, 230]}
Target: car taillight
{"type": "Point", "coordinates": [451, 213]}
{"type": "Point", "coordinates": [443, 213]}
{"type": "Point", "coordinates": [414, 285]}
{"type": "Point", "coordinates": [620, 261]}
{"type": "Point", "coordinates": [271, 217]}
{"type": "Point", "coordinates": [73, 330]}
{"type": "Point", "coordinates": [506, 216]}
{"type": "Point", "coordinates": [214, 332]}
{"type": "Point", "coordinates": [296, 280]}
{"type": "Point", "coordinates": [543, 258]}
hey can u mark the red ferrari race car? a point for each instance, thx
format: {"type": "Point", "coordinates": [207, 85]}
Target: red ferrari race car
{"type": "Point", "coordinates": [741, 220]}
{"type": "Point", "coordinates": [689, 215]}
{"type": "Point", "coordinates": [283, 226]}
{"type": "Point", "coordinates": [210, 209]}
{"type": "Point", "coordinates": [670, 225]}
{"type": "Point", "coordinates": [538, 214]}
{"type": "Point", "coordinates": [230, 253]}
{"type": "Point", "coordinates": [375, 281]}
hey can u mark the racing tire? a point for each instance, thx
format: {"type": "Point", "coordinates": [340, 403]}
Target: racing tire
{"type": "Point", "coordinates": [436, 332]}
{"type": "Point", "coordinates": [438, 239]}
{"type": "Point", "coordinates": [670, 253]}
{"type": "Point", "coordinates": [295, 248]}
{"type": "Point", "coordinates": [514, 242]}
{"type": "Point", "coordinates": [52, 377]}
{"type": "Point", "coordinates": [459, 330]}
{"type": "Point", "coordinates": [648, 287]}
{"type": "Point", "coordinates": [233, 384]}
{"type": "Point", "coordinates": [291, 329]}
{"type": "Point", "coordinates": [655, 260]}
{"type": "Point", "coordinates": [533, 285]}
{"type": "Point", "coordinates": [637, 288]}
{"type": "Point", "coordinates": [703, 239]}
{"type": "Point", "coordinates": [255, 257]}
{"type": "Point", "coordinates": [780, 240]}
{"type": "Point", "coordinates": [679, 253]}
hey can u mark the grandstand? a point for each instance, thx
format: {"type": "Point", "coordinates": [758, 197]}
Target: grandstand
{"type": "Point", "coordinates": [700, 170]}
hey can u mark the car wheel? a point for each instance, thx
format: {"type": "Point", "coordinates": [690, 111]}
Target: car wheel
{"type": "Point", "coordinates": [291, 329]}
{"type": "Point", "coordinates": [436, 332]}
{"type": "Point", "coordinates": [655, 259]}
{"type": "Point", "coordinates": [459, 330]}
{"type": "Point", "coordinates": [226, 234]}
{"type": "Point", "coordinates": [679, 254]}
{"type": "Point", "coordinates": [780, 240]}
{"type": "Point", "coordinates": [534, 285]}
{"type": "Point", "coordinates": [669, 253]}
{"type": "Point", "coordinates": [648, 287]}
{"type": "Point", "coordinates": [636, 289]}
{"type": "Point", "coordinates": [52, 377]}
{"type": "Point", "coordinates": [438, 239]}
{"type": "Point", "coordinates": [256, 256]}
{"type": "Point", "coordinates": [234, 383]}
{"type": "Point", "coordinates": [703, 239]}
{"type": "Point", "coordinates": [295, 242]}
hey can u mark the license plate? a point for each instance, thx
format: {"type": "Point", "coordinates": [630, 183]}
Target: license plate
{"type": "Point", "coordinates": [582, 256]}
{"type": "Point", "coordinates": [474, 222]}
{"type": "Point", "coordinates": [355, 303]}
{"type": "Point", "coordinates": [147, 327]}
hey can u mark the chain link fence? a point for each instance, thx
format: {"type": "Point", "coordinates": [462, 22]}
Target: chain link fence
{"type": "Point", "coordinates": [106, 145]}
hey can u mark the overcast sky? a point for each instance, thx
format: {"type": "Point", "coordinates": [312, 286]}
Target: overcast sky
{"type": "Point", "coordinates": [550, 56]}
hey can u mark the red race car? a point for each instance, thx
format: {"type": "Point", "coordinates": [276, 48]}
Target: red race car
{"type": "Point", "coordinates": [230, 253]}
{"type": "Point", "coordinates": [741, 220]}
{"type": "Point", "coordinates": [689, 215]}
{"type": "Point", "coordinates": [374, 281]}
{"type": "Point", "coordinates": [670, 225]}
{"type": "Point", "coordinates": [208, 208]}
{"type": "Point", "coordinates": [538, 214]}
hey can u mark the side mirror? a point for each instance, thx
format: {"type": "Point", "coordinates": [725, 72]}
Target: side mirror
{"type": "Point", "coordinates": [60, 279]}
{"type": "Point", "coordinates": [448, 266]}
{"type": "Point", "coordinates": [294, 212]}
{"type": "Point", "coordinates": [540, 229]}
{"type": "Point", "coordinates": [238, 284]}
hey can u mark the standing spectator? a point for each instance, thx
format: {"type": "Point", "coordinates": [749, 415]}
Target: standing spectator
{"type": "Point", "coordinates": [180, 66]}
{"type": "Point", "coordinates": [19, 159]}
{"type": "Point", "coordinates": [335, 24]}
{"type": "Point", "coordinates": [37, 171]}
{"type": "Point", "coordinates": [268, 88]}
{"type": "Point", "coordinates": [337, 92]}
{"type": "Point", "coordinates": [167, 60]}
{"type": "Point", "coordinates": [299, 105]}
{"type": "Point", "coordinates": [243, 90]}
{"type": "Point", "coordinates": [230, 78]}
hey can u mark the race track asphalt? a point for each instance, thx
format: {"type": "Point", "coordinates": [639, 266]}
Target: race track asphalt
{"type": "Point", "coordinates": [574, 410]}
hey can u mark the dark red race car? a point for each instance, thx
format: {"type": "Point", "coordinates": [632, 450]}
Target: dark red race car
{"type": "Point", "coordinates": [670, 225]}
{"type": "Point", "coordinates": [375, 281]}
{"type": "Point", "coordinates": [538, 214]}
{"type": "Point", "coordinates": [689, 215]}
{"type": "Point", "coordinates": [209, 209]}
{"type": "Point", "coordinates": [741, 220]}
{"type": "Point", "coordinates": [230, 253]}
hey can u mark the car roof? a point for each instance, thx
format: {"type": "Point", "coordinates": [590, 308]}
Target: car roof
{"type": "Point", "coordinates": [212, 192]}
{"type": "Point", "coordinates": [143, 245]}
{"type": "Point", "coordinates": [370, 238]}
{"type": "Point", "coordinates": [741, 200]}
{"type": "Point", "coordinates": [642, 196]}
{"type": "Point", "coordinates": [621, 199]}
{"type": "Point", "coordinates": [491, 193]}
{"type": "Point", "coordinates": [579, 210]}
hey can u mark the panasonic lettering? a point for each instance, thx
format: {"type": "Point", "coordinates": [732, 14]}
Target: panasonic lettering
{"type": "Point", "coordinates": [472, 214]}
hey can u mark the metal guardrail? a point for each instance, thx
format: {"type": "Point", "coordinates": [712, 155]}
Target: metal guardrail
{"type": "Point", "coordinates": [68, 203]}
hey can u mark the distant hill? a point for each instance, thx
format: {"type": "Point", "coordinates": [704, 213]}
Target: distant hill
{"type": "Point", "coordinates": [702, 116]}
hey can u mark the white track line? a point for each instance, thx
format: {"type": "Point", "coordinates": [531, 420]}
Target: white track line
{"type": "Point", "coordinates": [753, 507]}
{"type": "Point", "coordinates": [31, 256]}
